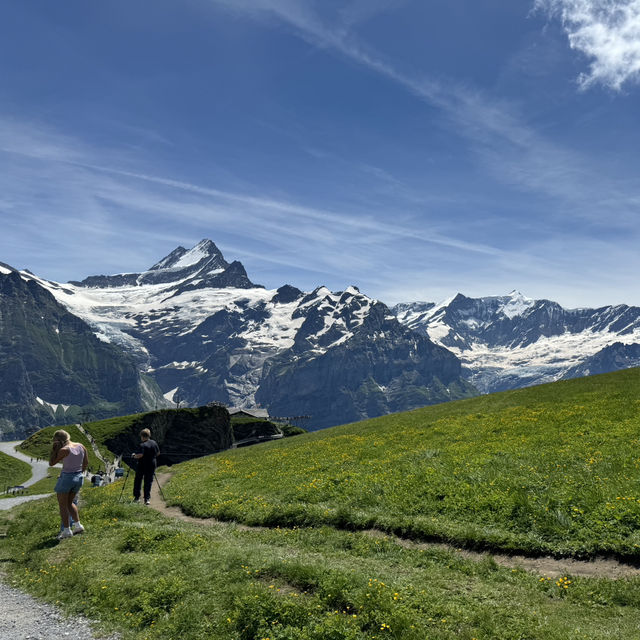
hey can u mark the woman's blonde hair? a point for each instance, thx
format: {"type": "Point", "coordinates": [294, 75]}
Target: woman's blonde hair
{"type": "Point", "coordinates": [62, 437]}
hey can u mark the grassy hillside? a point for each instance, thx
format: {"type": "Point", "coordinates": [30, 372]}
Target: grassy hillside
{"type": "Point", "coordinates": [181, 433]}
{"type": "Point", "coordinates": [154, 578]}
{"type": "Point", "coordinates": [502, 471]}
{"type": "Point", "coordinates": [103, 430]}
{"type": "Point", "coordinates": [549, 469]}
{"type": "Point", "coordinates": [39, 444]}
{"type": "Point", "coordinates": [12, 471]}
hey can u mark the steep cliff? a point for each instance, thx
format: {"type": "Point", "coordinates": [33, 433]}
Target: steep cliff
{"type": "Point", "coordinates": [181, 434]}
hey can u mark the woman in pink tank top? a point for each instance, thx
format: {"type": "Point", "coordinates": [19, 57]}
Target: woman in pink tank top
{"type": "Point", "coordinates": [75, 459]}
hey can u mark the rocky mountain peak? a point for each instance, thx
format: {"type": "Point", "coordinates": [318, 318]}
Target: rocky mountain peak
{"type": "Point", "coordinates": [169, 261]}
{"type": "Point", "coordinates": [205, 252]}
{"type": "Point", "coordinates": [201, 266]}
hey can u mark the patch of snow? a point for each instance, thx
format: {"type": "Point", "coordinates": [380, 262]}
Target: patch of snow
{"type": "Point", "coordinates": [5, 271]}
{"type": "Point", "coordinates": [52, 405]}
{"type": "Point", "coordinates": [181, 365]}
{"type": "Point", "coordinates": [438, 331]}
{"type": "Point", "coordinates": [193, 256]}
{"type": "Point", "coordinates": [277, 331]}
{"type": "Point", "coordinates": [516, 305]}
{"type": "Point", "coordinates": [170, 394]}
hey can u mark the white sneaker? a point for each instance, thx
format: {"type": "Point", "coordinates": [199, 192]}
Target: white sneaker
{"type": "Point", "coordinates": [65, 533]}
{"type": "Point", "coordinates": [147, 502]}
{"type": "Point", "coordinates": [77, 528]}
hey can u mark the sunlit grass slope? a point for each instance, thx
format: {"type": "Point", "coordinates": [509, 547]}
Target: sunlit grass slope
{"type": "Point", "coordinates": [103, 430]}
{"type": "Point", "coordinates": [39, 444]}
{"type": "Point", "coordinates": [548, 469]}
{"type": "Point", "coordinates": [154, 578]}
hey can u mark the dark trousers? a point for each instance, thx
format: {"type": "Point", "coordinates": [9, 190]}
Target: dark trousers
{"type": "Point", "coordinates": [145, 474]}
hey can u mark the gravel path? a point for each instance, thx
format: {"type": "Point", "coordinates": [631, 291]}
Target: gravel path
{"type": "Point", "coordinates": [25, 618]}
{"type": "Point", "coordinates": [9, 503]}
{"type": "Point", "coordinates": [39, 468]}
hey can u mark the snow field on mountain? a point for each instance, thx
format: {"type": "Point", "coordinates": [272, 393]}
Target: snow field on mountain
{"type": "Point", "coordinates": [492, 336]}
{"type": "Point", "coordinates": [545, 360]}
{"type": "Point", "coordinates": [278, 330]}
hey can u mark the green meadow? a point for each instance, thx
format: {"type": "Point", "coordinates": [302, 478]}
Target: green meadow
{"type": "Point", "coordinates": [303, 537]}
{"type": "Point", "coordinates": [550, 469]}
{"type": "Point", "coordinates": [38, 445]}
{"type": "Point", "coordinates": [12, 471]}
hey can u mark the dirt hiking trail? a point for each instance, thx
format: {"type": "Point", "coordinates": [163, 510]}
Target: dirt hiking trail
{"type": "Point", "coordinates": [542, 566]}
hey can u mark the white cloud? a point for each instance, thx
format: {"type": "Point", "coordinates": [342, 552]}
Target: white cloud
{"type": "Point", "coordinates": [607, 32]}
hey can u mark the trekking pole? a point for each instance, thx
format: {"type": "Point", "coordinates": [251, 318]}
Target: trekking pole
{"type": "Point", "coordinates": [159, 487]}
{"type": "Point", "coordinates": [125, 483]}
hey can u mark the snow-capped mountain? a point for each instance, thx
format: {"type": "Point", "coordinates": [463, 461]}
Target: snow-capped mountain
{"type": "Point", "coordinates": [204, 332]}
{"type": "Point", "coordinates": [506, 342]}
{"type": "Point", "coordinates": [194, 329]}
{"type": "Point", "coordinates": [53, 369]}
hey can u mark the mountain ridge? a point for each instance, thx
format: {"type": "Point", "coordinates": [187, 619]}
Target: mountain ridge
{"type": "Point", "coordinates": [199, 328]}
{"type": "Point", "coordinates": [204, 332]}
{"type": "Point", "coordinates": [506, 342]}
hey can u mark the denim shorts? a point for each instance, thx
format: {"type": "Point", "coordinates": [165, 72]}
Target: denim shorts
{"type": "Point", "coordinates": [68, 482]}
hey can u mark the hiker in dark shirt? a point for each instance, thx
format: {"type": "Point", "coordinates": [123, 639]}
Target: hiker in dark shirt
{"type": "Point", "coordinates": [146, 455]}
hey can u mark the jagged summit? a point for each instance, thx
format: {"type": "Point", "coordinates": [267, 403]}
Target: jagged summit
{"type": "Point", "coordinates": [201, 266]}
{"type": "Point", "coordinates": [180, 257]}
{"type": "Point", "coordinates": [5, 268]}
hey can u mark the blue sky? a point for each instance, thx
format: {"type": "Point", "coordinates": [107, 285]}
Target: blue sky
{"type": "Point", "coordinates": [414, 149]}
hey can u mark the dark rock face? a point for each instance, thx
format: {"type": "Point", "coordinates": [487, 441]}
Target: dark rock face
{"type": "Point", "coordinates": [181, 434]}
{"type": "Point", "coordinates": [47, 352]}
{"type": "Point", "coordinates": [233, 275]}
{"type": "Point", "coordinates": [286, 294]}
{"type": "Point", "coordinates": [383, 368]}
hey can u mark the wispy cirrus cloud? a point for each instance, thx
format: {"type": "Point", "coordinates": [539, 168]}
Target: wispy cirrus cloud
{"type": "Point", "coordinates": [55, 186]}
{"type": "Point", "coordinates": [607, 32]}
{"type": "Point", "coordinates": [506, 146]}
